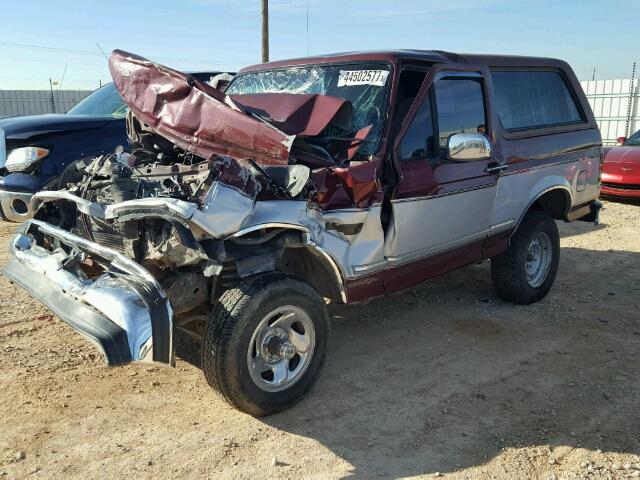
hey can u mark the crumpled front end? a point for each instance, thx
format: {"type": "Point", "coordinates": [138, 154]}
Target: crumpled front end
{"type": "Point", "coordinates": [214, 189]}
{"type": "Point", "coordinates": [102, 294]}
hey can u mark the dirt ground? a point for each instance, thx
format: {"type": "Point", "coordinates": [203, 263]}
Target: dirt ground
{"type": "Point", "coordinates": [444, 380]}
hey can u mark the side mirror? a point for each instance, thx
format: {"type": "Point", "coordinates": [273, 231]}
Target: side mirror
{"type": "Point", "coordinates": [621, 140]}
{"type": "Point", "coordinates": [468, 147]}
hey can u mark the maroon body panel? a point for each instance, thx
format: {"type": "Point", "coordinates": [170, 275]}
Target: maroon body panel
{"type": "Point", "coordinates": [398, 278]}
{"type": "Point", "coordinates": [421, 177]}
{"type": "Point", "coordinates": [521, 151]}
{"type": "Point", "coordinates": [408, 275]}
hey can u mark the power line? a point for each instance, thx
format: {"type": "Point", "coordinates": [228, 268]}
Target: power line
{"type": "Point", "coordinates": [47, 49]}
{"type": "Point", "coordinates": [74, 51]}
{"type": "Point", "coordinates": [102, 52]}
{"type": "Point", "coordinates": [53, 62]}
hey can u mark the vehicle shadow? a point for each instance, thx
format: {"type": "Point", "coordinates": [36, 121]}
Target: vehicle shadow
{"type": "Point", "coordinates": [446, 376]}
{"type": "Point", "coordinates": [187, 348]}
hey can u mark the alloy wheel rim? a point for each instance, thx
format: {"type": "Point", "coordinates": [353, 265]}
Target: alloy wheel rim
{"type": "Point", "coordinates": [281, 348]}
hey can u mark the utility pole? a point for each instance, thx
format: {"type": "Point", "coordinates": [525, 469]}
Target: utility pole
{"type": "Point", "coordinates": [265, 31]}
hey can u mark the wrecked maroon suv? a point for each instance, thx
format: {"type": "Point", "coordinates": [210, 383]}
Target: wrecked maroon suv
{"type": "Point", "coordinates": [347, 177]}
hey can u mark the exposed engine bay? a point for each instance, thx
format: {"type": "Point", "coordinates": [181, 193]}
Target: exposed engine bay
{"type": "Point", "coordinates": [192, 268]}
{"type": "Point", "coordinates": [214, 189]}
{"type": "Point", "coordinates": [163, 243]}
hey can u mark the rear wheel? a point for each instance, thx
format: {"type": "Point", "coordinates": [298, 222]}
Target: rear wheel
{"type": "Point", "coordinates": [525, 272]}
{"type": "Point", "coordinates": [265, 342]}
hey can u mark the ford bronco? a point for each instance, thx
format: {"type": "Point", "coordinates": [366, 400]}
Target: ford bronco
{"type": "Point", "coordinates": [236, 216]}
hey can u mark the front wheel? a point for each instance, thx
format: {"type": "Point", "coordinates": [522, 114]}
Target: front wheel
{"type": "Point", "coordinates": [265, 343]}
{"type": "Point", "coordinates": [525, 272]}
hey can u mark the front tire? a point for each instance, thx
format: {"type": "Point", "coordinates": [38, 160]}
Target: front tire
{"type": "Point", "coordinates": [525, 273]}
{"type": "Point", "coordinates": [265, 343]}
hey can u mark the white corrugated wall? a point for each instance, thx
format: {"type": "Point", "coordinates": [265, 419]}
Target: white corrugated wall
{"type": "Point", "coordinates": [614, 103]}
{"type": "Point", "coordinates": [35, 102]}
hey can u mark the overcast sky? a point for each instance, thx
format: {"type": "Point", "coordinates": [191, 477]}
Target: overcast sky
{"type": "Point", "coordinates": [38, 38]}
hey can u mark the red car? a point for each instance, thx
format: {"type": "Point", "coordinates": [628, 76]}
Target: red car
{"type": "Point", "coordinates": [621, 171]}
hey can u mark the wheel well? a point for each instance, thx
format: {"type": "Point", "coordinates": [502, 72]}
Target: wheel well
{"type": "Point", "coordinates": [286, 251]}
{"type": "Point", "coordinates": [309, 265]}
{"type": "Point", "coordinates": [555, 202]}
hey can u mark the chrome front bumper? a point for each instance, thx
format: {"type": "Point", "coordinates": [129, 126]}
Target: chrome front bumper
{"type": "Point", "coordinates": [124, 311]}
{"type": "Point", "coordinates": [15, 206]}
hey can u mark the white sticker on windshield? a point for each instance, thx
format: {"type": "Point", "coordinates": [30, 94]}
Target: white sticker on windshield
{"type": "Point", "coordinates": [362, 77]}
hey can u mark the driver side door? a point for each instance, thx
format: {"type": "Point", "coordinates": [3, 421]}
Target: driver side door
{"type": "Point", "coordinates": [441, 208]}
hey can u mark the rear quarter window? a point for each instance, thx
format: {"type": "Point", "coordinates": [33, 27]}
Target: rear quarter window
{"type": "Point", "coordinates": [533, 99]}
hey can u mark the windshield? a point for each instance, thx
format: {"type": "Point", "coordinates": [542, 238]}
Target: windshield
{"type": "Point", "coordinates": [364, 85]}
{"type": "Point", "coordinates": [104, 101]}
{"type": "Point", "coordinates": [633, 140]}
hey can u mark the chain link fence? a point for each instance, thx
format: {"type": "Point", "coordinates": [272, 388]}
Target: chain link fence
{"type": "Point", "coordinates": [616, 106]}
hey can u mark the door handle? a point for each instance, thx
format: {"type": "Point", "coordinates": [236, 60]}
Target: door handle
{"type": "Point", "coordinates": [496, 168]}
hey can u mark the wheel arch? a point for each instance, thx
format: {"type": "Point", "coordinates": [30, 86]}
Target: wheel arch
{"type": "Point", "coordinates": [555, 200]}
{"type": "Point", "coordinates": [303, 258]}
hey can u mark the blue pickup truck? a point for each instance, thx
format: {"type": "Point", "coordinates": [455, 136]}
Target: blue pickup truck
{"type": "Point", "coordinates": [35, 150]}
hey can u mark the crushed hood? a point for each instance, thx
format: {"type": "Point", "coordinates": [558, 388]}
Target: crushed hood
{"type": "Point", "coordinates": [200, 119]}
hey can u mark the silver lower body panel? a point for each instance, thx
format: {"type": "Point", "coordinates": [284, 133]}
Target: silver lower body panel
{"type": "Point", "coordinates": [122, 310]}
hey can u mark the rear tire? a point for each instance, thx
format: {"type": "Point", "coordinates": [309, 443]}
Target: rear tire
{"type": "Point", "coordinates": [265, 343]}
{"type": "Point", "coordinates": [525, 273]}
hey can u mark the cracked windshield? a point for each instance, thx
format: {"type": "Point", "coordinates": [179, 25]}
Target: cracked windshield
{"type": "Point", "coordinates": [364, 85]}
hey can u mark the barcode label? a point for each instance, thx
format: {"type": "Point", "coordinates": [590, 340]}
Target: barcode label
{"type": "Point", "coordinates": [362, 77]}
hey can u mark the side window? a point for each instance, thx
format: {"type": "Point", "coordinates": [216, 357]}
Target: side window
{"type": "Point", "coordinates": [418, 140]}
{"type": "Point", "coordinates": [460, 105]}
{"type": "Point", "coordinates": [408, 88]}
{"type": "Point", "coordinates": [533, 99]}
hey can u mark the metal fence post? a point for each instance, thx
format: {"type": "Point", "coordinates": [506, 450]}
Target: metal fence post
{"type": "Point", "coordinates": [53, 102]}
{"type": "Point", "coordinates": [631, 95]}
